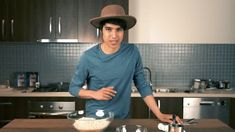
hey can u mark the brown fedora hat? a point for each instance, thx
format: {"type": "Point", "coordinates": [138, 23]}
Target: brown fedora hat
{"type": "Point", "coordinates": [113, 11]}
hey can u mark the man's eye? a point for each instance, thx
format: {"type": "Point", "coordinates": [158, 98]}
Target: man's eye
{"type": "Point", "coordinates": [108, 29]}
{"type": "Point", "coordinates": [120, 30]}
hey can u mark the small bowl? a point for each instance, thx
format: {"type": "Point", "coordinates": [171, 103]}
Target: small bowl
{"type": "Point", "coordinates": [92, 123]}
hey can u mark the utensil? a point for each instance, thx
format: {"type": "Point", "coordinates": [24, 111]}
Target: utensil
{"type": "Point", "coordinates": [189, 122]}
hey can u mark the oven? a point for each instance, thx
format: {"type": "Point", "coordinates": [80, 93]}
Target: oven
{"type": "Point", "coordinates": [50, 109]}
{"type": "Point", "coordinates": [56, 107]}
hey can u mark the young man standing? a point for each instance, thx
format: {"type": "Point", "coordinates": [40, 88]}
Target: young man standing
{"type": "Point", "coordinates": [110, 67]}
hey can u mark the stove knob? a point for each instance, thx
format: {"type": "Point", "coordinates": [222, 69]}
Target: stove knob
{"type": "Point", "coordinates": [41, 106]}
{"type": "Point", "coordinates": [51, 106]}
{"type": "Point", "coordinates": [60, 107]}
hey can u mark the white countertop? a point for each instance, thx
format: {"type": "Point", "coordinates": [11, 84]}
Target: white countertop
{"type": "Point", "coordinates": [10, 92]}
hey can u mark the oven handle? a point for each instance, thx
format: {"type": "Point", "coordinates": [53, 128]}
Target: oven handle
{"type": "Point", "coordinates": [49, 113]}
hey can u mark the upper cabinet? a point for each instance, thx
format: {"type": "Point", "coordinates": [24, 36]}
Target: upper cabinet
{"type": "Point", "coordinates": [14, 20]}
{"type": "Point", "coordinates": [36, 20]}
{"type": "Point", "coordinates": [55, 19]}
{"type": "Point", "coordinates": [88, 9]}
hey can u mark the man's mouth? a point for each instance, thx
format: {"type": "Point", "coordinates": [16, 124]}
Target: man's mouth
{"type": "Point", "coordinates": [113, 41]}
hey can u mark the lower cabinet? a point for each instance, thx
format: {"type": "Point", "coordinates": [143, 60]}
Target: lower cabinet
{"type": "Point", "coordinates": [138, 108]}
{"type": "Point", "coordinates": [167, 105]}
{"type": "Point", "coordinates": [232, 113]}
{"type": "Point", "coordinates": [6, 110]}
{"type": "Point", "coordinates": [172, 105]}
{"type": "Point", "coordinates": [20, 107]}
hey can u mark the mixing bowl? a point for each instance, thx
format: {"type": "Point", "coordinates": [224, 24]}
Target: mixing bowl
{"type": "Point", "coordinates": [96, 122]}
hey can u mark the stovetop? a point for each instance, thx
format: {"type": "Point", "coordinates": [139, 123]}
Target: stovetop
{"type": "Point", "coordinates": [53, 87]}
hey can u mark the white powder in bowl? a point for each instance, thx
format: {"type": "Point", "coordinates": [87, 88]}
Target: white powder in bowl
{"type": "Point", "coordinates": [91, 124]}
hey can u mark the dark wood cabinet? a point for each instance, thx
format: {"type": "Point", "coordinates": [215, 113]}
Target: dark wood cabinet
{"type": "Point", "coordinates": [34, 20]}
{"type": "Point", "coordinates": [15, 25]}
{"type": "Point", "coordinates": [6, 110]}
{"type": "Point", "coordinates": [88, 9]}
{"type": "Point", "coordinates": [173, 105]}
{"type": "Point", "coordinates": [232, 113]}
{"type": "Point", "coordinates": [55, 19]}
{"type": "Point", "coordinates": [138, 109]}
{"type": "Point", "coordinates": [167, 105]}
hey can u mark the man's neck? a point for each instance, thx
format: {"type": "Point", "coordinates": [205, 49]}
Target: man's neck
{"type": "Point", "coordinates": [109, 50]}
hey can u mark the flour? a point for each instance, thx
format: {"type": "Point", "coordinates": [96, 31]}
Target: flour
{"type": "Point", "coordinates": [91, 124]}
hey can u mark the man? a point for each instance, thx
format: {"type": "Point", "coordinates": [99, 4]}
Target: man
{"type": "Point", "coordinates": [109, 68]}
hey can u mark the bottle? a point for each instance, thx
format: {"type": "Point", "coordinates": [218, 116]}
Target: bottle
{"type": "Point", "coordinates": [8, 84]}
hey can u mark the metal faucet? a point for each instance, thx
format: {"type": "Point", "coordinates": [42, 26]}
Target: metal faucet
{"type": "Point", "coordinates": [150, 76]}
{"type": "Point", "coordinates": [150, 84]}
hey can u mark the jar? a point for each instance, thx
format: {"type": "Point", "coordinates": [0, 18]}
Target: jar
{"type": "Point", "coordinates": [196, 84]}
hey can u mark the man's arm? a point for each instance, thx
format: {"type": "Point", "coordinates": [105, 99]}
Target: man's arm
{"type": "Point", "coordinates": [106, 93]}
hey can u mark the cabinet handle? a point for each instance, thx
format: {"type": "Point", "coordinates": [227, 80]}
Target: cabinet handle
{"type": "Point", "coordinates": [5, 103]}
{"type": "Point", "coordinates": [159, 103]}
{"type": "Point", "coordinates": [3, 28]}
{"type": "Point", "coordinates": [97, 32]}
{"type": "Point", "coordinates": [59, 26]}
{"type": "Point", "coordinates": [207, 103]}
{"type": "Point", "coordinates": [50, 25]}
{"type": "Point", "coordinates": [12, 27]}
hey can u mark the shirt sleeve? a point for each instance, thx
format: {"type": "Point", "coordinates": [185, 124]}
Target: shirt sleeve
{"type": "Point", "coordinates": [79, 78]}
{"type": "Point", "coordinates": [139, 79]}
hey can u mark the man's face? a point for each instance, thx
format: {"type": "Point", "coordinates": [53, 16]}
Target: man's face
{"type": "Point", "coordinates": [112, 35]}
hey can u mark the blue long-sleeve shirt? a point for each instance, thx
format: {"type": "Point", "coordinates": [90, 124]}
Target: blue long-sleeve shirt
{"type": "Point", "coordinates": [100, 70]}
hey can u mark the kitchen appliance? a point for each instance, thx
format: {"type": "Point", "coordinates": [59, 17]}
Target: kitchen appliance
{"type": "Point", "coordinates": [50, 109]}
{"type": "Point", "coordinates": [206, 108]}
{"type": "Point", "coordinates": [53, 87]}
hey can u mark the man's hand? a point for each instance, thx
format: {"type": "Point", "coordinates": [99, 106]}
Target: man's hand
{"type": "Point", "coordinates": [168, 118]}
{"type": "Point", "coordinates": [106, 93]}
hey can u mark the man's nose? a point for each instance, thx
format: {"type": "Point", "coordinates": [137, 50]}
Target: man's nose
{"type": "Point", "coordinates": [114, 34]}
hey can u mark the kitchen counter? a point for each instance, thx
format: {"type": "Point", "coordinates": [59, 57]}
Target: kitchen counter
{"type": "Point", "coordinates": [61, 125]}
{"type": "Point", "coordinates": [11, 92]}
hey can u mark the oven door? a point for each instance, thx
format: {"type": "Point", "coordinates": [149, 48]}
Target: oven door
{"type": "Point", "coordinates": [50, 109]}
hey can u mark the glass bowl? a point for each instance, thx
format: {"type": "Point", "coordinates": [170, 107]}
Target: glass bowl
{"type": "Point", "coordinates": [96, 122]}
{"type": "Point", "coordinates": [131, 128]}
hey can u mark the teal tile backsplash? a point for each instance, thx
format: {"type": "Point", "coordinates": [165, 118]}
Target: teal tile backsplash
{"type": "Point", "coordinates": [173, 65]}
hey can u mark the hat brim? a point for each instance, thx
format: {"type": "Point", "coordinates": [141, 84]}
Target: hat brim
{"type": "Point", "coordinates": [130, 20]}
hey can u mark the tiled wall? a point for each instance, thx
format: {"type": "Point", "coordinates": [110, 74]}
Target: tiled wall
{"type": "Point", "coordinates": [173, 65]}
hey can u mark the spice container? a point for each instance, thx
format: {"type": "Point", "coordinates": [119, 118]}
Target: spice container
{"type": "Point", "coordinates": [196, 84]}
{"type": "Point", "coordinates": [21, 80]}
{"type": "Point", "coordinates": [33, 78]}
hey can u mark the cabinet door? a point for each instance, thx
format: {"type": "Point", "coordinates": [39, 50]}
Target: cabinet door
{"type": "Point", "coordinates": [138, 109]}
{"type": "Point", "coordinates": [66, 19]}
{"type": "Point", "coordinates": [88, 9]}
{"type": "Point", "coordinates": [6, 111]}
{"type": "Point", "coordinates": [232, 113]}
{"type": "Point", "coordinates": [55, 19]}
{"type": "Point", "coordinates": [44, 19]}
{"type": "Point", "coordinates": [168, 105]}
{"type": "Point", "coordinates": [18, 20]}
{"type": "Point", "coordinates": [3, 18]}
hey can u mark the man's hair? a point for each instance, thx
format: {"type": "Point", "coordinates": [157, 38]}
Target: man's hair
{"type": "Point", "coordinates": [115, 21]}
